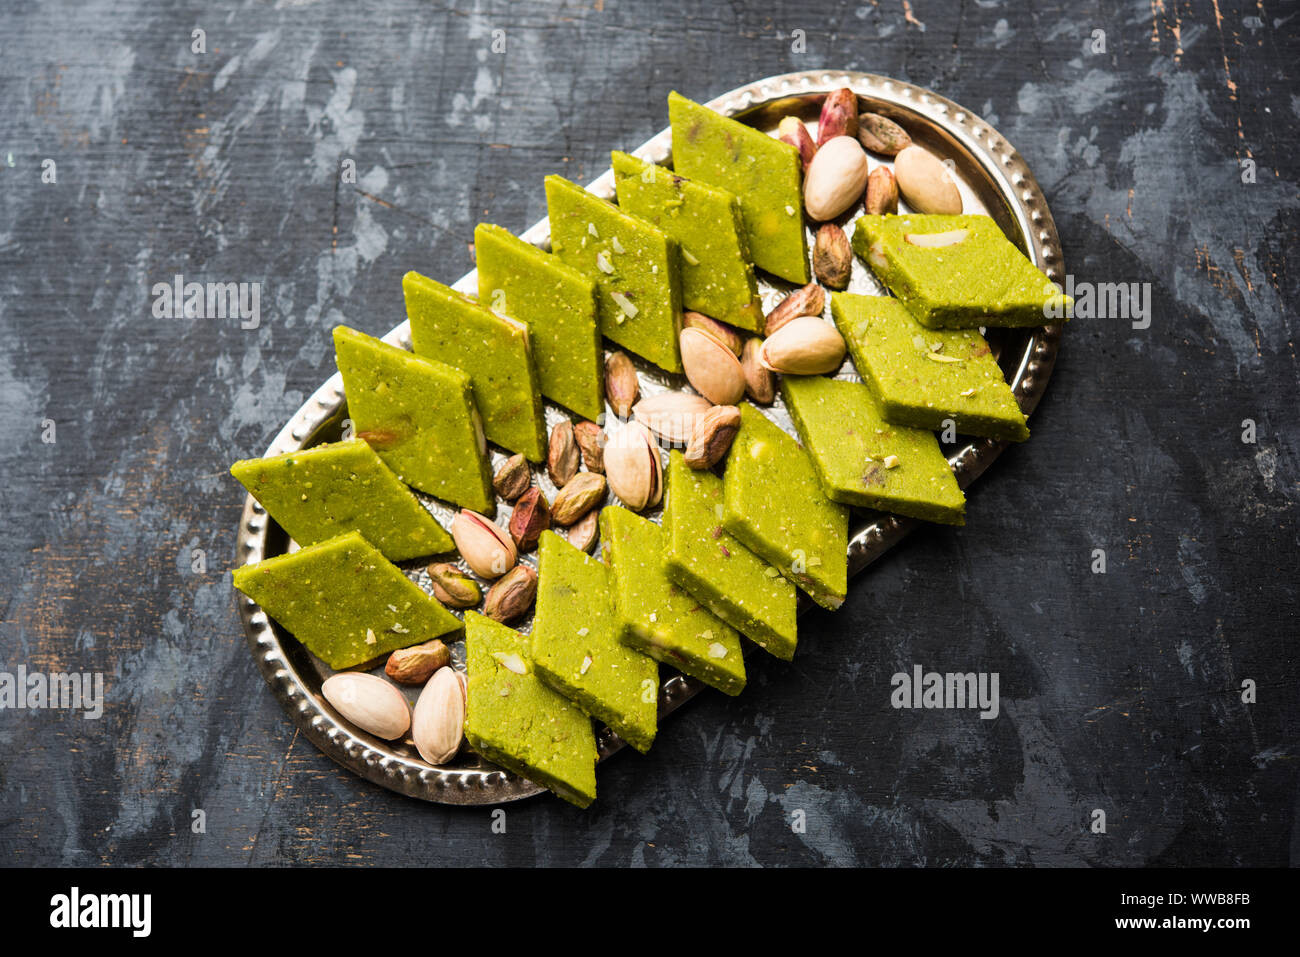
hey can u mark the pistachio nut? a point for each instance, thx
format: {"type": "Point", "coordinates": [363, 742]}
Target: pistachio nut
{"type": "Point", "coordinates": [562, 453]}
{"type": "Point", "coordinates": [633, 466]}
{"type": "Point", "coordinates": [512, 594]}
{"type": "Point", "coordinates": [485, 546]}
{"type": "Point", "coordinates": [712, 436]}
{"type": "Point", "coordinates": [711, 367]}
{"type": "Point", "coordinates": [882, 135]}
{"type": "Point", "coordinates": [583, 533]}
{"type": "Point", "coordinates": [836, 178]}
{"type": "Point", "coordinates": [368, 701]}
{"type": "Point", "coordinates": [669, 415]}
{"type": "Point", "coordinates": [531, 516]}
{"type": "Point", "coordinates": [808, 301]}
{"type": "Point", "coordinates": [414, 665]}
{"type": "Point", "coordinates": [729, 337]}
{"type": "Point", "coordinates": [804, 346]}
{"type": "Point", "coordinates": [438, 724]}
{"type": "Point", "coordinates": [512, 478]}
{"type": "Point", "coordinates": [453, 587]}
{"type": "Point", "coordinates": [926, 183]}
{"type": "Point", "coordinates": [760, 382]}
{"type": "Point", "coordinates": [791, 130]}
{"type": "Point", "coordinates": [832, 257]}
{"type": "Point", "coordinates": [839, 116]}
{"type": "Point", "coordinates": [591, 442]}
{"type": "Point", "coordinates": [882, 192]}
{"type": "Point", "coordinates": [622, 388]}
{"type": "Point", "coordinates": [584, 492]}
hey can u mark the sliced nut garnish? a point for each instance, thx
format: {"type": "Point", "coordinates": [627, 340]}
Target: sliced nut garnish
{"type": "Point", "coordinates": [669, 415]}
{"type": "Point", "coordinates": [791, 130]}
{"type": "Point", "coordinates": [485, 546]}
{"type": "Point", "coordinates": [832, 257]}
{"type": "Point", "coordinates": [591, 442]}
{"type": "Point", "coordinates": [633, 466]}
{"type": "Point", "coordinates": [622, 387]}
{"type": "Point", "coordinates": [583, 493]}
{"type": "Point", "coordinates": [836, 178]}
{"type": "Point", "coordinates": [414, 665]}
{"type": "Point", "coordinates": [839, 116]}
{"type": "Point", "coordinates": [950, 237]}
{"type": "Point", "coordinates": [882, 135]}
{"type": "Point", "coordinates": [808, 301]}
{"type": "Point", "coordinates": [512, 478]}
{"type": "Point", "coordinates": [711, 367]}
{"type": "Point", "coordinates": [453, 587]}
{"type": "Point", "coordinates": [760, 382]}
{"type": "Point", "coordinates": [512, 595]}
{"type": "Point", "coordinates": [530, 518]}
{"type": "Point", "coordinates": [882, 192]}
{"type": "Point", "coordinates": [583, 533]}
{"type": "Point", "coordinates": [805, 346]}
{"type": "Point", "coordinates": [728, 336]}
{"type": "Point", "coordinates": [925, 182]}
{"type": "Point", "coordinates": [439, 721]}
{"type": "Point", "coordinates": [562, 455]}
{"type": "Point", "coordinates": [369, 702]}
{"type": "Point", "coordinates": [712, 437]}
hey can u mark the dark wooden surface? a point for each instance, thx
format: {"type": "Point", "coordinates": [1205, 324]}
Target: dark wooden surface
{"type": "Point", "coordinates": [1120, 691]}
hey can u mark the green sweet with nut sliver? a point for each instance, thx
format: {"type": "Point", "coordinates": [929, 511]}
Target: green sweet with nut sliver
{"type": "Point", "coordinates": [864, 460]}
{"type": "Point", "coordinates": [516, 720]}
{"type": "Point", "coordinates": [634, 266]}
{"type": "Point", "coordinates": [557, 303]}
{"type": "Point", "coordinates": [317, 493]}
{"type": "Point", "coordinates": [763, 173]}
{"type": "Point", "coordinates": [659, 618]}
{"type": "Point", "coordinates": [717, 278]}
{"type": "Point", "coordinates": [957, 272]}
{"type": "Point", "coordinates": [774, 504]}
{"type": "Point", "coordinates": [923, 377]}
{"type": "Point", "coordinates": [344, 601]}
{"type": "Point", "coordinates": [576, 648]}
{"type": "Point", "coordinates": [494, 351]}
{"type": "Point", "coordinates": [702, 557]}
{"type": "Point", "coordinates": [419, 415]}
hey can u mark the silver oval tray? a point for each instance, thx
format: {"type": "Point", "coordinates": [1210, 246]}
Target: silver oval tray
{"type": "Point", "coordinates": [992, 178]}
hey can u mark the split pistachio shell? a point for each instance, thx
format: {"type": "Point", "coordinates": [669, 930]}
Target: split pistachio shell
{"type": "Point", "coordinates": [837, 177]}
{"type": "Point", "coordinates": [634, 467]}
{"type": "Point", "coordinates": [926, 183]}
{"type": "Point", "coordinates": [808, 301]}
{"type": "Point", "coordinates": [712, 437]}
{"type": "Point", "coordinates": [439, 721]}
{"type": "Point", "coordinates": [804, 346]}
{"type": "Point", "coordinates": [487, 549]}
{"type": "Point", "coordinates": [669, 415]}
{"type": "Point", "coordinates": [712, 367]}
{"type": "Point", "coordinates": [368, 701]}
{"type": "Point", "coordinates": [729, 337]}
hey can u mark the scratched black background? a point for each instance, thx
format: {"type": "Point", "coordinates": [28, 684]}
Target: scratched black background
{"type": "Point", "coordinates": [1120, 691]}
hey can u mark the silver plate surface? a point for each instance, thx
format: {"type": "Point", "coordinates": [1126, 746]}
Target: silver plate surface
{"type": "Point", "coordinates": [992, 177]}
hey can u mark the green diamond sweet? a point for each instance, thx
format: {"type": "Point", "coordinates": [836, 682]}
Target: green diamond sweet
{"type": "Point", "coordinates": [924, 377]}
{"type": "Point", "coordinates": [344, 601]}
{"type": "Point", "coordinates": [557, 303]}
{"type": "Point", "coordinates": [494, 351]}
{"type": "Point", "coordinates": [717, 278]}
{"type": "Point", "coordinates": [763, 173]}
{"type": "Point", "coordinates": [576, 648]}
{"type": "Point", "coordinates": [702, 557]}
{"type": "Point", "coordinates": [774, 504]}
{"type": "Point", "coordinates": [957, 272]}
{"type": "Point", "coordinates": [633, 264]}
{"type": "Point", "coordinates": [659, 618]}
{"type": "Point", "coordinates": [317, 493]}
{"type": "Point", "coordinates": [516, 720]}
{"type": "Point", "coordinates": [864, 460]}
{"type": "Point", "coordinates": [419, 415]}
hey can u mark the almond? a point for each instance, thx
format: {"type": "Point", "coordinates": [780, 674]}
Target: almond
{"type": "Point", "coordinates": [712, 437]}
{"type": "Point", "coordinates": [439, 721]}
{"type": "Point", "coordinates": [484, 545]}
{"type": "Point", "coordinates": [950, 237]}
{"type": "Point", "coordinates": [634, 467]}
{"type": "Point", "coordinates": [808, 301]}
{"type": "Point", "coordinates": [804, 346]}
{"type": "Point", "coordinates": [669, 415]}
{"type": "Point", "coordinates": [711, 367]}
{"type": "Point", "coordinates": [926, 183]}
{"type": "Point", "coordinates": [369, 702]}
{"type": "Point", "coordinates": [836, 178]}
